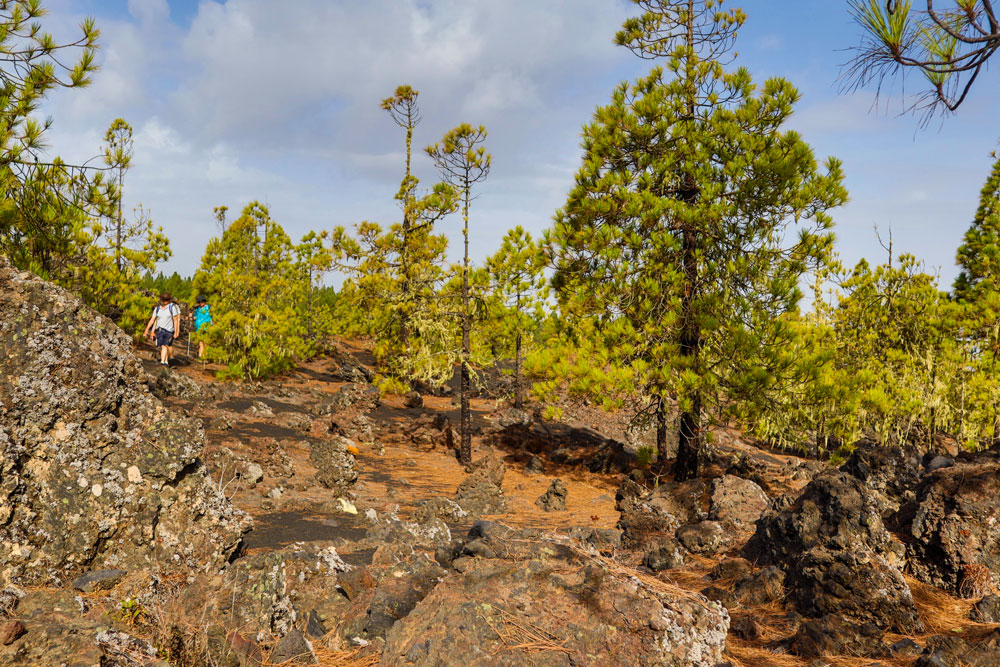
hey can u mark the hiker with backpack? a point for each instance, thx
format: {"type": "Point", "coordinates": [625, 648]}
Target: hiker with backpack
{"type": "Point", "coordinates": [167, 321]}
{"type": "Point", "coordinates": [202, 318]}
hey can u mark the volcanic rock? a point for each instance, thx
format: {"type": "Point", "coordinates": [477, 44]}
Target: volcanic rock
{"type": "Point", "coordinates": [956, 525]}
{"type": "Point", "coordinates": [554, 499]}
{"type": "Point", "coordinates": [837, 555]}
{"type": "Point", "coordinates": [736, 501]}
{"type": "Point", "coordinates": [597, 613]}
{"type": "Point", "coordinates": [890, 473]}
{"type": "Point", "coordinates": [334, 463]}
{"type": "Point", "coordinates": [77, 416]}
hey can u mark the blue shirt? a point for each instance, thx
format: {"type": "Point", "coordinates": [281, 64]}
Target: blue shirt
{"type": "Point", "coordinates": [201, 316]}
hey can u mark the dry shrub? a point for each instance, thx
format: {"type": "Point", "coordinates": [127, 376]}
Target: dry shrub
{"type": "Point", "coordinates": [975, 582]}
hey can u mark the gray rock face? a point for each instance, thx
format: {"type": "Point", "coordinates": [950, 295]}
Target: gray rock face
{"type": "Point", "coordinates": [956, 524]}
{"type": "Point", "coordinates": [94, 473]}
{"type": "Point", "coordinates": [599, 614]}
{"type": "Point", "coordinates": [736, 501]}
{"type": "Point", "coordinates": [334, 463]}
{"type": "Point", "coordinates": [837, 555]}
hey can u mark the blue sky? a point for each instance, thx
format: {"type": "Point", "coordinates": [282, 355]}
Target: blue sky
{"type": "Point", "coordinates": [256, 99]}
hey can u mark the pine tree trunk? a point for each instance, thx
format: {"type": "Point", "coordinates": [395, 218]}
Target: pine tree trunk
{"type": "Point", "coordinates": [465, 450]}
{"type": "Point", "coordinates": [661, 432]}
{"type": "Point", "coordinates": [518, 399]}
{"type": "Point", "coordinates": [689, 433]}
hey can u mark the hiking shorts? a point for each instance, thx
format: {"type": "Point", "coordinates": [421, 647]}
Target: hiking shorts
{"type": "Point", "coordinates": [164, 337]}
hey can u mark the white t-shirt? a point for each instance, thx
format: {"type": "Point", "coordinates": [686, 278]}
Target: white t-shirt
{"type": "Point", "coordinates": [165, 316]}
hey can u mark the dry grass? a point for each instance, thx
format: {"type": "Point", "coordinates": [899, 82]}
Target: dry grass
{"type": "Point", "coordinates": [349, 658]}
{"type": "Point", "coordinates": [517, 635]}
{"type": "Point", "coordinates": [939, 611]}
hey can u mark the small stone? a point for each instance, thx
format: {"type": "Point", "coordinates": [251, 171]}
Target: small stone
{"type": "Point", "coordinates": [347, 506]}
{"type": "Point", "coordinates": [986, 610]}
{"type": "Point", "coordinates": [554, 499]}
{"type": "Point", "coordinates": [253, 474]}
{"type": "Point", "coordinates": [98, 580]}
{"type": "Point", "coordinates": [97, 490]}
{"type": "Point", "coordinates": [906, 648]}
{"type": "Point", "coordinates": [11, 631]}
{"type": "Point", "coordinates": [274, 493]}
{"type": "Point", "coordinates": [745, 627]}
{"type": "Point", "coordinates": [314, 626]}
{"type": "Point", "coordinates": [939, 462]}
{"type": "Point", "coordinates": [704, 537]}
{"type": "Point", "coordinates": [535, 466]}
{"type": "Point", "coordinates": [134, 475]}
{"type": "Point", "coordinates": [413, 399]}
{"type": "Point", "coordinates": [665, 554]}
{"type": "Point", "coordinates": [294, 648]}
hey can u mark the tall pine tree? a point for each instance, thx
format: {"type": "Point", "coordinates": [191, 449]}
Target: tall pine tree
{"type": "Point", "coordinates": [692, 220]}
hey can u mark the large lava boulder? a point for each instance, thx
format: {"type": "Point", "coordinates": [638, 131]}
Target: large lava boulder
{"type": "Point", "coordinates": [956, 525]}
{"type": "Point", "coordinates": [94, 472]}
{"type": "Point", "coordinates": [518, 597]}
{"type": "Point", "coordinates": [837, 556]}
{"type": "Point", "coordinates": [890, 473]}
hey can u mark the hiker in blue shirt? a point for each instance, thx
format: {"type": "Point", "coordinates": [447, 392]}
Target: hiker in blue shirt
{"type": "Point", "coordinates": [202, 318]}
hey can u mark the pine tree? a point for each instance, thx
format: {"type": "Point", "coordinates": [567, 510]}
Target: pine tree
{"type": "Point", "coordinates": [118, 154]}
{"type": "Point", "coordinates": [977, 288]}
{"type": "Point", "coordinates": [463, 162]}
{"type": "Point", "coordinates": [33, 63]}
{"type": "Point", "coordinates": [692, 220]}
{"type": "Point", "coordinates": [393, 274]}
{"type": "Point", "coordinates": [255, 284]}
{"type": "Point", "coordinates": [518, 290]}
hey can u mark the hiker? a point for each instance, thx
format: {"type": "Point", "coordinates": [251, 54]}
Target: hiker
{"type": "Point", "coordinates": [202, 318]}
{"type": "Point", "coordinates": [167, 319]}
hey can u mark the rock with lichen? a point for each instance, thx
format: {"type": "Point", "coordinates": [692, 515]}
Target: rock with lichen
{"type": "Point", "coordinates": [94, 473]}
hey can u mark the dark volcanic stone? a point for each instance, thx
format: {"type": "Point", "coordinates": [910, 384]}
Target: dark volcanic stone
{"type": "Point", "coordinates": [294, 648]}
{"type": "Point", "coordinates": [664, 554]}
{"type": "Point", "coordinates": [831, 635]}
{"type": "Point", "coordinates": [986, 610]}
{"type": "Point", "coordinates": [947, 651]}
{"type": "Point", "coordinates": [905, 648]}
{"type": "Point", "coordinates": [704, 537]}
{"type": "Point", "coordinates": [554, 499]}
{"type": "Point", "coordinates": [837, 555]}
{"type": "Point", "coordinates": [956, 524]}
{"type": "Point", "coordinates": [98, 580]}
{"type": "Point", "coordinates": [892, 473]}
